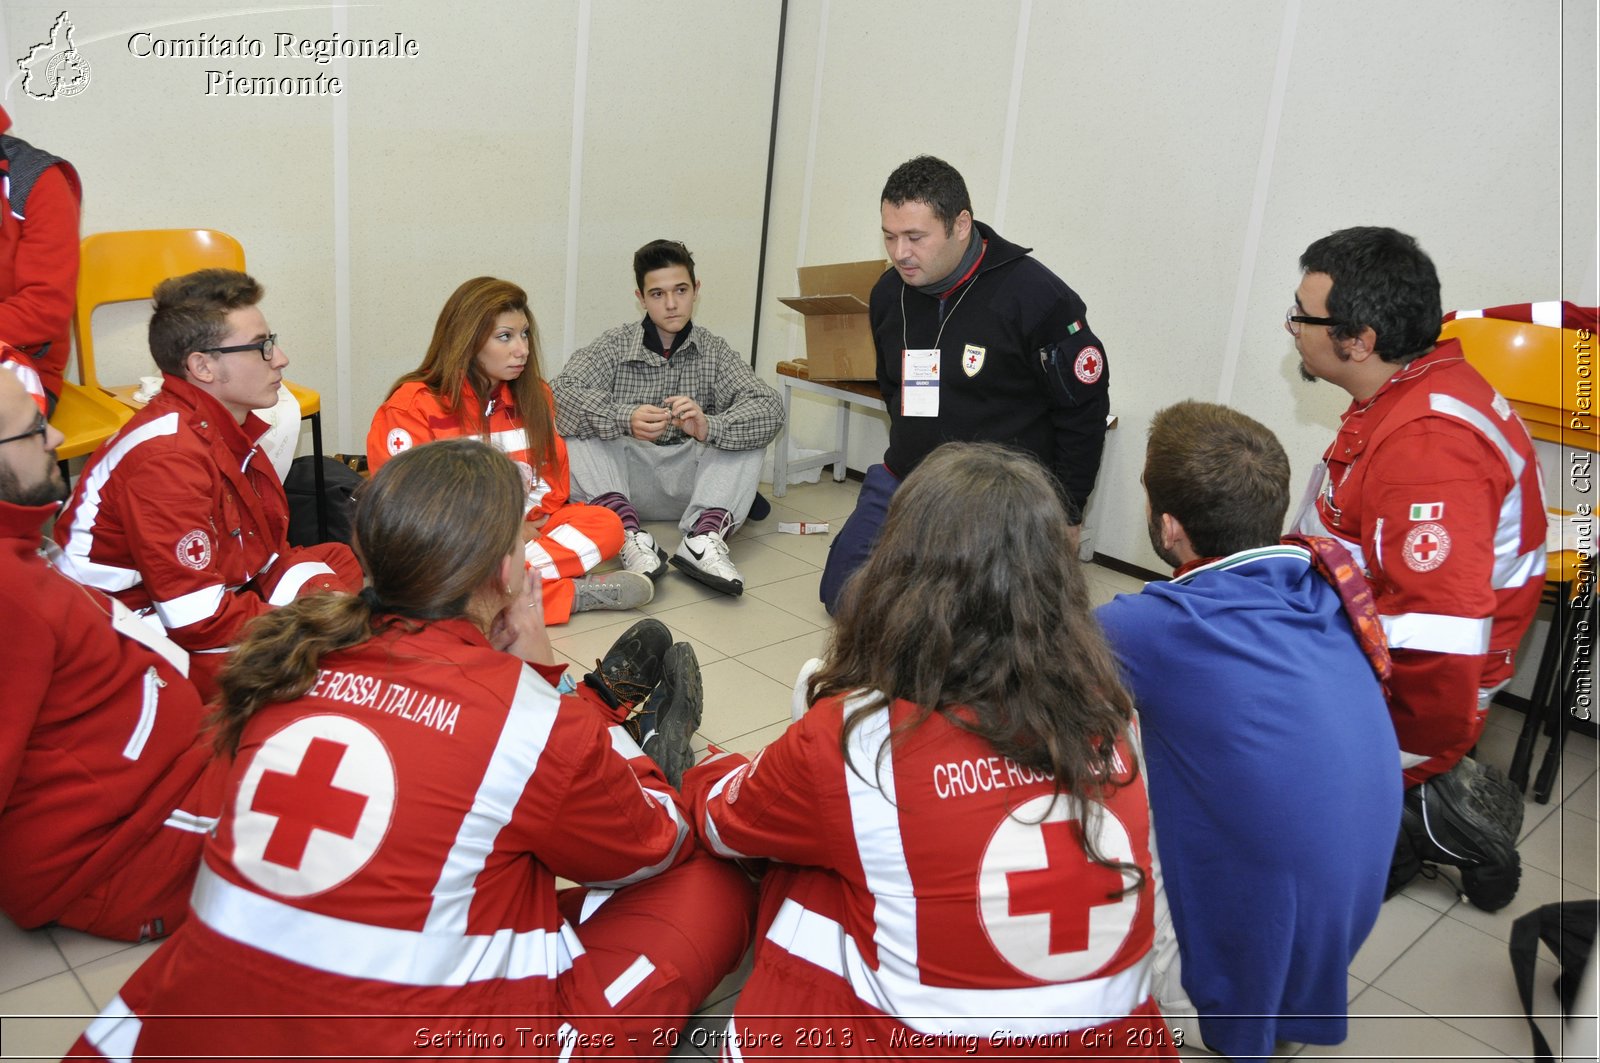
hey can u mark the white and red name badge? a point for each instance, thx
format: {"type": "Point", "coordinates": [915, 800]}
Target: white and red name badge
{"type": "Point", "coordinates": [919, 383]}
{"type": "Point", "coordinates": [1305, 515]}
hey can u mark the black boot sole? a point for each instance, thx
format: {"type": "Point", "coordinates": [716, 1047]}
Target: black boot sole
{"type": "Point", "coordinates": [733, 587]}
{"type": "Point", "coordinates": [679, 718]}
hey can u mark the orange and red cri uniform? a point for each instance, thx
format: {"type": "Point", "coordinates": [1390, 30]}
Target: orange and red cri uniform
{"type": "Point", "coordinates": [575, 537]}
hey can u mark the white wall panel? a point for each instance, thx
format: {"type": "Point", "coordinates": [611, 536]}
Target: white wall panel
{"type": "Point", "coordinates": [1439, 119]}
{"type": "Point", "coordinates": [1134, 177]}
{"type": "Point", "coordinates": [679, 107]}
{"type": "Point", "coordinates": [458, 169]}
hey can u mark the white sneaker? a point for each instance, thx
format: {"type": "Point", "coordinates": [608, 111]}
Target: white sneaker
{"type": "Point", "coordinates": [641, 554]}
{"type": "Point", "coordinates": [705, 558]}
{"type": "Point", "coordinates": [614, 590]}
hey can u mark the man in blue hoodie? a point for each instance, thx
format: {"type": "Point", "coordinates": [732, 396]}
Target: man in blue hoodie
{"type": "Point", "coordinates": [1257, 673]}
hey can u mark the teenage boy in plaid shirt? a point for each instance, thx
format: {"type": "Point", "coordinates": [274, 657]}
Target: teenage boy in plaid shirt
{"type": "Point", "coordinates": [665, 421]}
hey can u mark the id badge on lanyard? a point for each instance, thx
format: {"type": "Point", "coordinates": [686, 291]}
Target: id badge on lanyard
{"type": "Point", "coordinates": [1306, 520]}
{"type": "Point", "coordinates": [919, 383]}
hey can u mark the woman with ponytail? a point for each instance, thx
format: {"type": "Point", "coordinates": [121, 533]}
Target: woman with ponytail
{"type": "Point", "coordinates": [962, 828]}
{"type": "Point", "coordinates": [482, 377]}
{"type": "Point", "coordinates": [406, 786]}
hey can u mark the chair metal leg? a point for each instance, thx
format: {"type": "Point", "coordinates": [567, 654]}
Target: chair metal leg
{"type": "Point", "coordinates": [780, 446]}
{"type": "Point", "coordinates": [1542, 703]}
{"type": "Point", "coordinates": [322, 494]}
{"type": "Point", "coordinates": [1564, 697]}
{"type": "Point", "coordinates": [841, 440]}
{"type": "Point", "coordinates": [1546, 781]}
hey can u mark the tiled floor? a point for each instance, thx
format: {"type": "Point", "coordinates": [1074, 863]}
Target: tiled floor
{"type": "Point", "coordinates": [1432, 982]}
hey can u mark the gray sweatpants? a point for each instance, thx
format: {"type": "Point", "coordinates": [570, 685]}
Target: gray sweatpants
{"type": "Point", "coordinates": [666, 483]}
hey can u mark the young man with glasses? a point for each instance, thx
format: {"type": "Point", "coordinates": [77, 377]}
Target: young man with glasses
{"type": "Point", "coordinates": [1433, 486]}
{"type": "Point", "coordinates": [105, 797]}
{"type": "Point", "coordinates": [179, 515]}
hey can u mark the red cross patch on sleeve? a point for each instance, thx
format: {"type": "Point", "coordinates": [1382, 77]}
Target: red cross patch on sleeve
{"type": "Point", "coordinates": [1090, 364]}
{"type": "Point", "coordinates": [194, 550]}
{"type": "Point", "coordinates": [1426, 547]}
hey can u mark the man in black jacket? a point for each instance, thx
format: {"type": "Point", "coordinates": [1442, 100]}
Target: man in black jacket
{"type": "Point", "coordinates": [976, 340]}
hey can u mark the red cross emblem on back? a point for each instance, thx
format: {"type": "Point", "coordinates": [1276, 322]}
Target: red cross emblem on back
{"type": "Point", "coordinates": [313, 806]}
{"type": "Point", "coordinates": [307, 801]}
{"type": "Point", "coordinates": [1066, 889]}
{"type": "Point", "coordinates": [1046, 908]}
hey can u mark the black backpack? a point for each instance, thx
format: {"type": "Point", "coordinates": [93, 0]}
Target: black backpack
{"type": "Point", "coordinates": [339, 483]}
{"type": "Point", "coordinates": [1568, 927]}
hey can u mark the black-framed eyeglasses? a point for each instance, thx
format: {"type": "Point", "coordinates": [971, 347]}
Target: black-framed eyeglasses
{"type": "Point", "coordinates": [1292, 321]}
{"type": "Point", "coordinates": [40, 427]}
{"type": "Point", "coordinates": [262, 347]}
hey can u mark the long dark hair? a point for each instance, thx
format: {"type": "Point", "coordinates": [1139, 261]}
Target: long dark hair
{"type": "Point", "coordinates": [973, 606]}
{"type": "Point", "coordinates": [431, 529]}
{"type": "Point", "coordinates": [464, 326]}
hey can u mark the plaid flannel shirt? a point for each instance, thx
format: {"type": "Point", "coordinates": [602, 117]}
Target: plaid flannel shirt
{"type": "Point", "coordinates": [603, 383]}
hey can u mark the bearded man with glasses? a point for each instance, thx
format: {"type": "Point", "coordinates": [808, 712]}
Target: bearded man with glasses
{"type": "Point", "coordinates": [1433, 486]}
{"type": "Point", "coordinates": [180, 515]}
{"type": "Point", "coordinates": [105, 790]}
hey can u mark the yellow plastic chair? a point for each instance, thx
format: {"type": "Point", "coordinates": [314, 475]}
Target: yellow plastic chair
{"type": "Point", "coordinates": [121, 267]}
{"type": "Point", "coordinates": [86, 417]}
{"type": "Point", "coordinates": [1524, 363]}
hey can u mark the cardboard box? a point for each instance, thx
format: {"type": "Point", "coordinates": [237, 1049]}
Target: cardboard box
{"type": "Point", "coordinates": [834, 301]}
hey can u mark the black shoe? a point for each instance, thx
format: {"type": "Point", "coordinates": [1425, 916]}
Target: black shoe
{"type": "Point", "coordinates": [1492, 886]}
{"type": "Point", "coordinates": [1405, 865]}
{"type": "Point", "coordinates": [1492, 794]}
{"type": "Point", "coordinates": [632, 666]}
{"type": "Point", "coordinates": [759, 508]}
{"type": "Point", "coordinates": [669, 719]}
{"type": "Point", "coordinates": [704, 558]}
{"type": "Point", "coordinates": [1446, 821]}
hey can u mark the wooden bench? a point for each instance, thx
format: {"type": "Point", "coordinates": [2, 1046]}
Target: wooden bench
{"type": "Point", "coordinates": [796, 375]}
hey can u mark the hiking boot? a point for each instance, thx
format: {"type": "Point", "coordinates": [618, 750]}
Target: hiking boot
{"type": "Point", "coordinates": [631, 668]}
{"type": "Point", "coordinates": [614, 590]}
{"type": "Point", "coordinates": [1405, 865]}
{"type": "Point", "coordinates": [669, 718]}
{"type": "Point", "coordinates": [1492, 794]}
{"type": "Point", "coordinates": [1445, 821]}
{"type": "Point", "coordinates": [641, 554]}
{"type": "Point", "coordinates": [705, 558]}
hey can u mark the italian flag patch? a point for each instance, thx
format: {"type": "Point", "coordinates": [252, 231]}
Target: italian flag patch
{"type": "Point", "coordinates": [1427, 510]}
{"type": "Point", "coordinates": [1074, 327]}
